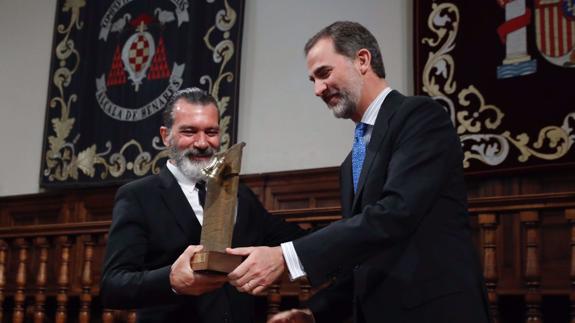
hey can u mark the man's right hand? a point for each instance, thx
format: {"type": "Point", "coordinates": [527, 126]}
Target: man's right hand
{"type": "Point", "coordinates": [185, 281]}
{"type": "Point", "coordinates": [293, 316]}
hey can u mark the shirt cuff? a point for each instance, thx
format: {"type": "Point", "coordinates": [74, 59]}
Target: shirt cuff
{"type": "Point", "coordinates": [292, 260]}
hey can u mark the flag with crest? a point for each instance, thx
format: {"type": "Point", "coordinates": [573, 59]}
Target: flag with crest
{"type": "Point", "coordinates": [115, 64]}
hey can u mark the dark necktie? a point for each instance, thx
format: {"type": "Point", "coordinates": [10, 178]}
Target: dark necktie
{"type": "Point", "coordinates": [358, 152]}
{"type": "Point", "coordinates": [201, 186]}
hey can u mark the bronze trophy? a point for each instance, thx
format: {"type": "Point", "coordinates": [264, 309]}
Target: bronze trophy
{"type": "Point", "coordinates": [219, 212]}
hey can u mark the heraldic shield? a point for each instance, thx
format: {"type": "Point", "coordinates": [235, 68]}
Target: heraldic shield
{"type": "Point", "coordinates": [555, 29]}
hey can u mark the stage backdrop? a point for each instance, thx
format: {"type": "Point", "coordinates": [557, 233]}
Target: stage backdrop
{"type": "Point", "coordinates": [114, 66]}
{"type": "Point", "coordinates": [505, 71]}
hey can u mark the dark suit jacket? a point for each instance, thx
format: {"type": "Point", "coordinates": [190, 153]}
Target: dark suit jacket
{"type": "Point", "coordinates": [402, 252]}
{"type": "Point", "coordinates": [152, 225]}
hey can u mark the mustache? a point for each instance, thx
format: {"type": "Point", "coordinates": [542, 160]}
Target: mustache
{"type": "Point", "coordinates": [195, 152]}
{"type": "Point", "coordinates": [334, 93]}
{"type": "Point", "coordinates": [328, 95]}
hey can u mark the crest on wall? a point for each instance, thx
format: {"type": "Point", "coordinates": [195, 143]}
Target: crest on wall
{"type": "Point", "coordinates": [140, 55]}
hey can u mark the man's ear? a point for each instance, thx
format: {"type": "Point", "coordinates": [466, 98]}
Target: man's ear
{"type": "Point", "coordinates": [165, 133]}
{"type": "Point", "coordinates": [363, 60]}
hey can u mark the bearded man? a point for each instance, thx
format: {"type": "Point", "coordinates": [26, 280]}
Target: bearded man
{"type": "Point", "coordinates": [157, 223]}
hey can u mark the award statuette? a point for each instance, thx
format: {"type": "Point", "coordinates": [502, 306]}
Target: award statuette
{"type": "Point", "coordinates": [219, 212]}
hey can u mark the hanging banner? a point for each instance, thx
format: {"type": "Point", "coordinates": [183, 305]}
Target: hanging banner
{"type": "Point", "coordinates": [115, 64]}
{"type": "Point", "coordinates": [504, 70]}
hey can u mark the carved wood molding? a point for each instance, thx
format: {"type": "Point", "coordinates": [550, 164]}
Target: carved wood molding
{"type": "Point", "coordinates": [71, 226]}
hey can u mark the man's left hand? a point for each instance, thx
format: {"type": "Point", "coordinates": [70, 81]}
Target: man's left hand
{"type": "Point", "coordinates": [259, 270]}
{"type": "Point", "coordinates": [293, 316]}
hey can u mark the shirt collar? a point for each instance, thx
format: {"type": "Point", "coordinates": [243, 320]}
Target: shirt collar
{"type": "Point", "coordinates": [370, 114]}
{"type": "Point", "coordinates": [180, 177]}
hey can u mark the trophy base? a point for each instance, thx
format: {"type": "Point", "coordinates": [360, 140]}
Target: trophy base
{"type": "Point", "coordinates": [215, 261]}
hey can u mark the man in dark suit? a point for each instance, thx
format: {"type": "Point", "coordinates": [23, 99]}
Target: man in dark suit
{"type": "Point", "coordinates": [157, 224]}
{"type": "Point", "coordinates": [403, 251]}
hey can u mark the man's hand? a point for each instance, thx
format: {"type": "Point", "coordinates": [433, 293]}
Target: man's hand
{"type": "Point", "coordinates": [260, 269]}
{"type": "Point", "coordinates": [293, 316]}
{"type": "Point", "coordinates": [185, 281]}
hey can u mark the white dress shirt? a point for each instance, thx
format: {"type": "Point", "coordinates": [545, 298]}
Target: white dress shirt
{"type": "Point", "coordinates": [190, 191]}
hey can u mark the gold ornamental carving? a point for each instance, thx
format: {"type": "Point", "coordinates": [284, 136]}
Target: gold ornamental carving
{"type": "Point", "coordinates": [479, 123]}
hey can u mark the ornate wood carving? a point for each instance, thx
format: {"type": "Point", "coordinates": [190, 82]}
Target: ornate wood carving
{"type": "Point", "coordinates": [524, 229]}
{"type": "Point", "coordinates": [107, 316]}
{"type": "Point", "coordinates": [131, 317]}
{"type": "Point", "coordinates": [488, 224]}
{"type": "Point", "coordinates": [42, 246]}
{"type": "Point", "coordinates": [274, 299]}
{"type": "Point", "coordinates": [63, 279]}
{"type": "Point", "coordinates": [20, 295]}
{"type": "Point", "coordinates": [86, 297]}
{"type": "Point", "coordinates": [305, 291]}
{"type": "Point", "coordinates": [530, 220]}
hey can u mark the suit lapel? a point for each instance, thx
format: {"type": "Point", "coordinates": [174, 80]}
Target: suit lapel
{"type": "Point", "coordinates": [178, 204]}
{"type": "Point", "coordinates": [346, 180]}
{"type": "Point", "coordinates": [386, 111]}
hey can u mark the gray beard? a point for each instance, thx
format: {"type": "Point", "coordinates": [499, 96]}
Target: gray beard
{"type": "Point", "coordinates": [346, 106]}
{"type": "Point", "coordinates": [191, 169]}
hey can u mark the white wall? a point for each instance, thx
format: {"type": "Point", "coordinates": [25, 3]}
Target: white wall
{"type": "Point", "coordinates": [284, 125]}
{"type": "Point", "coordinates": [25, 46]}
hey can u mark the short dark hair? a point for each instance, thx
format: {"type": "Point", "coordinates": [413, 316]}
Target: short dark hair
{"type": "Point", "coordinates": [348, 38]}
{"type": "Point", "coordinates": [192, 95]}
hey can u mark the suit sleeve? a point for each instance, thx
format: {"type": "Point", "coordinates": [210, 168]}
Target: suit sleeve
{"type": "Point", "coordinates": [126, 283]}
{"type": "Point", "coordinates": [425, 148]}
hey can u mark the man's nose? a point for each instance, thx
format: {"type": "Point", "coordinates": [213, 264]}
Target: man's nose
{"type": "Point", "coordinates": [319, 87]}
{"type": "Point", "coordinates": [202, 141]}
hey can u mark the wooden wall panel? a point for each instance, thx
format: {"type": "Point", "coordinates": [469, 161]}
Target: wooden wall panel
{"type": "Point", "coordinates": [520, 222]}
{"type": "Point", "coordinates": [297, 189]}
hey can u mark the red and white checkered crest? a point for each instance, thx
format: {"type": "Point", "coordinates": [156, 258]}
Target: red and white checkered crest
{"type": "Point", "coordinates": [137, 55]}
